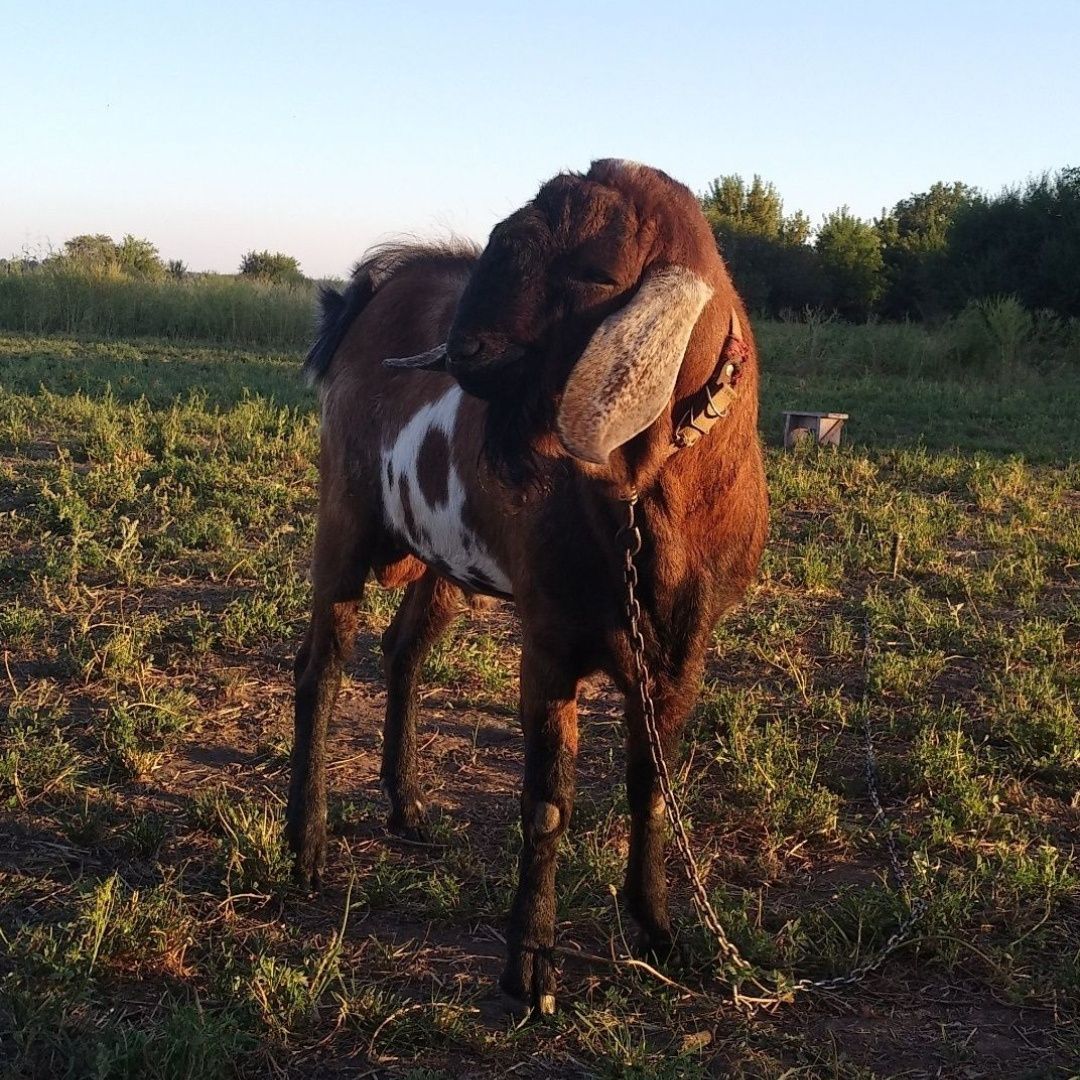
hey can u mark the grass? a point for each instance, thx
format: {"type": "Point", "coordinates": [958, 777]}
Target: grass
{"type": "Point", "coordinates": [157, 502]}
{"type": "Point", "coordinates": [208, 307]}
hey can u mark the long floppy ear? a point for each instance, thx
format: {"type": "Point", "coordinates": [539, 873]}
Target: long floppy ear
{"type": "Point", "coordinates": [627, 373]}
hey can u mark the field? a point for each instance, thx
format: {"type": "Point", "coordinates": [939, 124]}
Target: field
{"type": "Point", "coordinates": [156, 501]}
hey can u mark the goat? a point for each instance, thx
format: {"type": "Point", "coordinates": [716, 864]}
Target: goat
{"type": "Point", "coordinates": [550, 374]}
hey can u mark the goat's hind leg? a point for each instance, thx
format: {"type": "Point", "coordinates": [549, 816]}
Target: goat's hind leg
{"type": "Point", "coordinates": [430, 605]}
{"type": "Point", "coordinates": [317, 672]}
{"type": "Point", "coordinates": [338, 571]}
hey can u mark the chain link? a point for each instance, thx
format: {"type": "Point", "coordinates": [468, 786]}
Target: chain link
{"type": "Point", "coordinates": [630, 535]}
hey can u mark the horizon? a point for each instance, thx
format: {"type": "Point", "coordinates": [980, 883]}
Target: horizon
{"type": "Point", "coordinates": [212, 133]}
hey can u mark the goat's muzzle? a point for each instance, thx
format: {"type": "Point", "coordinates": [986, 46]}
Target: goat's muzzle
{"type": "Point", "coordinates": [479, 364]}
{"type": "Point", "coordinates": [479, 368]}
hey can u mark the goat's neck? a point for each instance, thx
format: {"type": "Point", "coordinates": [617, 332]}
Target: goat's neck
{"type": "Point", "coordinates": [655, 468]}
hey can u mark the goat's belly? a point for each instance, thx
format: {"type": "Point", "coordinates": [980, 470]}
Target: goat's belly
{"type": "Point", "coordinates": [441, 539]}
{"type": "Point", "coordinates": [426, 503]}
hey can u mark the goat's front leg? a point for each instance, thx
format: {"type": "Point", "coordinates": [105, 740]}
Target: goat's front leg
{"type": "Point", "coordinates": [549, 718]}
{"type": "Point", "coordinates": [645, 891]}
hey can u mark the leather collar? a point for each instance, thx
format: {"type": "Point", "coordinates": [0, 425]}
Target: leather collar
{"type": "Point", "coordinates": [712, 402]}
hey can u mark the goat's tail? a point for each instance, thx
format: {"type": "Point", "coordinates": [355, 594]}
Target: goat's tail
{"type": "Point", "coordinates": [337, 310]}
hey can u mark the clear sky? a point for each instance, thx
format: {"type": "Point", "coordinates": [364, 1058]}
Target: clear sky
{"type": "Point", "coordinates": [318, 127]}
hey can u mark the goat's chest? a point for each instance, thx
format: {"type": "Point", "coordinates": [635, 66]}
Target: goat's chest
{"type": "Point", "coordinates": [427, 503]}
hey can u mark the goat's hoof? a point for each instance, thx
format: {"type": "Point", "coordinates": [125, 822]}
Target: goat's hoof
{"type": "Point", "coordinates": [308, 879]}
{"type": "Point", "coordinates": [529, 977]}
{"type": "Point", "coordinates": [659, 947]}
{"type": "Point", "coordinates": [412, 832]}
{"type": "Point", "coordinates": [308, 867]}
{"type": "Point", "coordinates": [309, 861]}
{"type": "Point", "coordinates": [406, 819]}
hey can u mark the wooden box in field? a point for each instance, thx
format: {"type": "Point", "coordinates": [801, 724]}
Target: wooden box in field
{"type": "Point", "coordinates": [822, 427]}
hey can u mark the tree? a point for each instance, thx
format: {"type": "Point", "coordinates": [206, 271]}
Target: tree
{"type": "Point", "coordinates": [795, 229]}
{"type": "Point", "coordinates": [271, 266]}
{"type": "Point", "coordinates": [1024, 242]}
{"type": "Point", "coordinates": [914, 236]}
{"type": "Point", "coordinates": [176, 268]}
{"type": "Point", "coordinates": [773, 276]}
{"type": "Point", "coordinates": [850, 252]}
{"type": "Point", "coordinates": [773, 267]}
{"type": "Point", "coordinates": [756, 210]}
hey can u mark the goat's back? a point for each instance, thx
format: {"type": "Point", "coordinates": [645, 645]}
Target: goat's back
{"type": "Point", "coordinates": [401, 299]}
{"type": "Point", "coordinates": [375, 452]}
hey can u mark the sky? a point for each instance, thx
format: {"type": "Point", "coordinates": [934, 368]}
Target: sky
{"type": "Point", "coordinates": [320, 127]}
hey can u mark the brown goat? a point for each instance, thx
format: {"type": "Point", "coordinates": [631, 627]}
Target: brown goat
{"type": "Point", "coordinates": [596, 317]}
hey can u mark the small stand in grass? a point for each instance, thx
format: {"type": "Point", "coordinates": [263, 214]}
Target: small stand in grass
{"type": "Point", "coordinates": [823, 427]}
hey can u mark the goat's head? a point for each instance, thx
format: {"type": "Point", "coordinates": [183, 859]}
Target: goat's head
{"type": "Point", "coordinates": [580, 309]}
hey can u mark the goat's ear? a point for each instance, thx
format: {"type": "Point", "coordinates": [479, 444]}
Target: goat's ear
{"type": "Point", "coordinates": [627, 373]}
{"type": "Point", "coordinates": [432, 360]}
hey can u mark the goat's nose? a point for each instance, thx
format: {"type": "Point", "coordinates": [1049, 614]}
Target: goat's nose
{"type": "Point", "coordinates": [467, 347]}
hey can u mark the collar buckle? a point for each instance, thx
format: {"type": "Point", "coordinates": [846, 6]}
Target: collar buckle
{"type": "Point", "coordinates": [714, 400]}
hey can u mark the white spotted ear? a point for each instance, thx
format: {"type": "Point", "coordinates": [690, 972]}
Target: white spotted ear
{"type": "Point", "coordinates": [627, 373]}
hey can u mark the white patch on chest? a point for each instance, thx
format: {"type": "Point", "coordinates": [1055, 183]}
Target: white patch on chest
{"type": "Point", "coordinates": [435, 531]}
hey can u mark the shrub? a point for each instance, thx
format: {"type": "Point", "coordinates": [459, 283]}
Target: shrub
{"type": "Point", "coordinates": [994, 333]}
{"type": "Point", "coordinates": [271, 266]}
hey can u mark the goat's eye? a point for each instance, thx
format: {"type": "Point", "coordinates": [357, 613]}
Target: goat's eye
{"type": "Point", "coordinates": [593, 275]}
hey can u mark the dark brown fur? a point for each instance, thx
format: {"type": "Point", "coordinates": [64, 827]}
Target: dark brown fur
{"type": "Point", "coordinates": [516, 320]}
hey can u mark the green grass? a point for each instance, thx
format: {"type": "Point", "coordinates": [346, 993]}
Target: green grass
{"type": "Point", "coordinates": [156, 502]}
{"type": "Point", "coordinates": [206, 307]}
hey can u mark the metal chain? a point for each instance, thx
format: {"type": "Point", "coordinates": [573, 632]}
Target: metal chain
{"type": "Point", "coordinates": [648, 710]}
{"type": "Point", "coordinates": [630, 534]}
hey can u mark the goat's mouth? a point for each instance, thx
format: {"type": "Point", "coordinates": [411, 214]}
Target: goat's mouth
{"type": "Point", "coordinates": [485, 373]}
{"type": "Point", "coordinates": [488, 381]}
{"type": "Point", "coordinates": [481, 373]}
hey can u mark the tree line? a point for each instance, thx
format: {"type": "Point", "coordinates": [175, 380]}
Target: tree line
{"type": "Point", "coordinates": [138, 258]}
{"type": "Point", "coordinates": [929, 256]}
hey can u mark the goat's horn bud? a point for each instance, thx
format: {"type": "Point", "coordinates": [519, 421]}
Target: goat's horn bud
{"type": "Point", "coordinates": [432, 360]}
